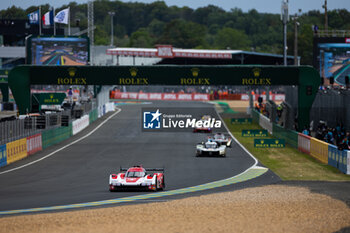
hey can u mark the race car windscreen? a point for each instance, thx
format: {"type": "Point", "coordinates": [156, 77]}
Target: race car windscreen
{"type": "Point", "coordinates": [211, 145]}
{"type": "Point", "coordinates": [135, 174]}
{"type": "Point", "coordinates": [219, 136]}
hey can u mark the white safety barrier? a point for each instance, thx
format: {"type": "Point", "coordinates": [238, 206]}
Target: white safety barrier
{"type": "Point", "coordinates": [304, 143]}
{"type": "Point", "coordinates": [265, 123]}
{"type": "Point", "coordinates": [101, 110]}
{"type": "Point", "coordinates": [80, 124]}
{"type": "Point", "coordinates": [109, 107]}
{"type": "Point", "coordinates": [34, 144]}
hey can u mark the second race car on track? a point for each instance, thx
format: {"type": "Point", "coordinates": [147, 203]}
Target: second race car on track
{"type": "Point", "coordinates": [210, 148]}
{"type": "Point", "coordinates": [203, 128]}
{"type": "Point", "coordinates": [221, 139]}
{"type": "Point", "coordinates": [137, 177]}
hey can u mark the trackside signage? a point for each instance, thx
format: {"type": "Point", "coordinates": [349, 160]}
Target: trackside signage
{"type": "Point", "coordinates": [254, 133]}
{"type": "Point", "coordinates": [269, 143]}
{"type": "Point", "coordinates": [238, 121]}
{"type": "Point", "coordinates": [180, 120]}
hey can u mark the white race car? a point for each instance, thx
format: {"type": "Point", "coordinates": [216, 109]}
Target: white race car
{"type": "Point", "coordinates": [210, 148]}
{"type": "Point", "coordinates": [136, 177]}
{"type": "Point", "coordinates": [221, 139]}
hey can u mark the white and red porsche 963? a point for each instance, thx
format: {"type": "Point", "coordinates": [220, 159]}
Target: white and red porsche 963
{"type": "Point", "coordinates": [137, 177]}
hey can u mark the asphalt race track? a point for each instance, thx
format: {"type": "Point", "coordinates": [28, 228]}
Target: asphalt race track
{"type": "Point", "coordinates": [79, 173]}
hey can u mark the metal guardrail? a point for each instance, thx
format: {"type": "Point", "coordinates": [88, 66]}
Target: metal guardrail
{"type": "Point", "coordinates": [20, 128]}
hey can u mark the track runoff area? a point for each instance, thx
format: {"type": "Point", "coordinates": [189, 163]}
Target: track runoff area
{"type": "Point", "coordinates": [75, 174]}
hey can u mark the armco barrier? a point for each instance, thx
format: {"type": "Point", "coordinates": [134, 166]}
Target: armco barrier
{"type": "Point", "coordinates": [34, 144]}
{"type": "Point", "coordinates": [332, 156]}
{"type": "Point", "coordinates": [338, 158]}
{"type": "Point", "coordinates": [265, 123]}
{"type": "Point", "coordinates": [3, 156]}
{"type": "Point", "coordinates": [54, 136]}
{"type": "Point", "coordinates": [80, 124]}
{"type": "Point", "coordinates": [16, 150]}
{"type": "Point", "coordinates": [304, 143]}
{"type": "Point", "coordinates": [342, 163]}
{"type": "Point", "coordinates": [319, 150]}
{"type": "Point", "coordinates": [290, 136]}
{"type": "Point", "coordinates": [348, 163]}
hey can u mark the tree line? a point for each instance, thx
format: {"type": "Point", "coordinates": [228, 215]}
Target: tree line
{"type": "Point", "coordinates": [144, 25]}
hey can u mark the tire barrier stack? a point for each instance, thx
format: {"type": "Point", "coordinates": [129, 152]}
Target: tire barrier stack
{"type": "Point", "coordinates": [320, 150]}
{"type": "Point", "coordinates": [23, 147]}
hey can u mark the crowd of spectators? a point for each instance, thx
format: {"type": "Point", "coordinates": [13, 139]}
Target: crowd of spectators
{"type": "Point", "coordinates": [333, 135]}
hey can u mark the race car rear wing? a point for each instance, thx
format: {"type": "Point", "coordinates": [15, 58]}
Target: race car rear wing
{"type": "Point", "coordinates": [124, 169]}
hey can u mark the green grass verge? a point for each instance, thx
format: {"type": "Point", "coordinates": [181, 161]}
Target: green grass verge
{"type": "Point", "coordinates": [225, 108]}
{"type": "Point", "coordinates": [288, 163]}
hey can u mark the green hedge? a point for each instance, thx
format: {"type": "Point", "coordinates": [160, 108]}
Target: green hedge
{"type": "Point", "coordinates": [53, 136]}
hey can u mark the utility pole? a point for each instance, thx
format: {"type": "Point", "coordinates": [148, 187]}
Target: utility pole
{"type": "Point", "coordinates": [285, 19]}
{"type": "Point", "coordinates": [325, 17]}
{"type": "Point", "coordinates": [296, 25]}
{"type": "Point", "coordinates": [111, 13]}
{"type": "Point", "coordinates": [91, 28]}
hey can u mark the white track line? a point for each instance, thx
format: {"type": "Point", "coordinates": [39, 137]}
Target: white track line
{"type": "Point", "coordinates": [64, 147]}
{"type": "Point", "coordinates": [256, 161]}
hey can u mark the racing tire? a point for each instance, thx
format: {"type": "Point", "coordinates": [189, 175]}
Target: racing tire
{"type": "Point", "coordinates": [156, 184]}
{"type": "Point", "coordinates": [163, 185]}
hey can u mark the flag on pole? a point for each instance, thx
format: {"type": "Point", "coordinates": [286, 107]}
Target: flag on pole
{"type": "Point", "coordinates": [34, 17]}
{"type": "Point", "coordinates": [62, 16]}
{"type": "Point", "coordinates": [48, 18]}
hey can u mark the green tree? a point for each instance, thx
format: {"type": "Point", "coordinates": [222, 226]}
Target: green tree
{"type": "Point", "coordinates": [101, 37]}
{"type": "Point", "coordinates": [183, 34]}
{"type": "Point", "coordinates": [156, 28]}
{"type": "Point", "coordinates": [13, 13]}
{"type": "Point", "coordinates": [232, 38]}
{"type": "Point", "coordinates": [141, 38]}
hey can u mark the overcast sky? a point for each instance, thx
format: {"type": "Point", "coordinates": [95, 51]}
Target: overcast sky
{"type": "Point", "coordinates": [271, 6]}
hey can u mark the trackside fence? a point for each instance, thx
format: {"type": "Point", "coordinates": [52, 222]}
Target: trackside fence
{"type": "Point", "coordinates": [304, 143]}
{"type": "Point", "coordinates": [290, 136]}
{"type": "Point", "coordinates": [53, 136]}
{"type": "Point", "coordinates": [20, 148]}
{"type": "Point", "coordinates": [320, 150]}
{"type": "Point", "coordinates": [265, 123]}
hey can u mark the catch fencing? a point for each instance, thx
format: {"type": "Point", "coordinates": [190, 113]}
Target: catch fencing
{"type": "Point", "coordinates": [22, 147]}
{"type": "Point", "coordinates": [31, 125]}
